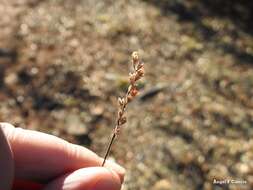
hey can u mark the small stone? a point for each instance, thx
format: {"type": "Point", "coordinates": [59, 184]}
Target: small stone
{"type": "Point", "coordinates": [242, 168]}
{"type": "Point", "coordinates": [163, 184]}
{"type": "Point", "coordinates": [11, 79]}
{"type": "Point", "coordinates": [97, 110]}
{"type": "Point", "coordinates": [218, 172]}
{"type": "Point", "coordinates": [34, 70]}
{"type": "Point", "coordinates": [74, 43]}
{"type": "Point", "coordinates": [75, 126]}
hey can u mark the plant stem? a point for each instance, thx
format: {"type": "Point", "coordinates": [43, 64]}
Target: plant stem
{"type": "Point", "coordinates": [109, 148]}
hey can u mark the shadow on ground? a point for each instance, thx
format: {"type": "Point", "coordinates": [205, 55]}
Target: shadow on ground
{"type": "Point", "coordinates": [239, 13]}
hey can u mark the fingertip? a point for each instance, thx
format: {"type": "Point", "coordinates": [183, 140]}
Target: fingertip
{"type": "Point", "coordinates": [120, 171]}
{"type": "Point", "coordinates": [7, 128]}
{"type": "Point", "coordinates": [109, 179]}
{"type": "Point", "coordinates": [93, 178]}
{"type": "Point", "coordinates": [92, 159]}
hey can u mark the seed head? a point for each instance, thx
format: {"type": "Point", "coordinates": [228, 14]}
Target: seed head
{"type": "Point", "coordinates": [134, 76]}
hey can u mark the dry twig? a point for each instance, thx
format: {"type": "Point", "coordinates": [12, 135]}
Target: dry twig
{"type": "Point", "coordinates": [137, 74]}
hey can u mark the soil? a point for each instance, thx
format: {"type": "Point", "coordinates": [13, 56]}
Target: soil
{"type": "Point", "coordinates": [64, 63]}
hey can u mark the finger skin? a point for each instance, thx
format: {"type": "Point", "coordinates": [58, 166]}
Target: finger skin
{"type": "Point", "coordinates": [26, 185]}
{"type": "Point", "coordinates": [93, 178]}
{"type": "Point", "coordinates": [42, 157]}
{"type": "Point", "coordinates": [6, 163]}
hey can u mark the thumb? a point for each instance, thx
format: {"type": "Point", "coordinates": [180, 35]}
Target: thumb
{"type": "Point", "coordinates": [6, 162]}
{"type": "Point", "coordinates": [92, 178]}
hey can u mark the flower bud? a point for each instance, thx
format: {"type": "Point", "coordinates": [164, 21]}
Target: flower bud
{"type": "Point", "coordinates": [121, 101]}
{"type": "Point", "coordinates": [141, 72]}
{"type": "Point", "coordinates": [132, 78]}
{"type": "Point", "coordinates": [135, 56]}
{"type": "Point", "coordinates": [123, 120]}
{"type": "Point", "coordinates": [141, 65]}
{"type": "Point", "coordinates": [134, 92]}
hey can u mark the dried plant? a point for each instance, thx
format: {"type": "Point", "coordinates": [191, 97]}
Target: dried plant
{"type": "Point", "coordinates": [134, 76]}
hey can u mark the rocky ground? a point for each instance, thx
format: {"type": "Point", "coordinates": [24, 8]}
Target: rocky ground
{"type": "Point", "coordinates": [64, 63]}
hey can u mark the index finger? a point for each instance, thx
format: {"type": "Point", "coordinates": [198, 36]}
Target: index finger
{"type": "Point", "coordinates": [41, 157]}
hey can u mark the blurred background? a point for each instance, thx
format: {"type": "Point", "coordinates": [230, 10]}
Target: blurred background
{"type": "Point", "coordinates": [64, 63]}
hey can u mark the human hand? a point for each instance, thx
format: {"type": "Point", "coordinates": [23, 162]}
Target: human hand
{"type": "Point", "coordinates": [46, 159]}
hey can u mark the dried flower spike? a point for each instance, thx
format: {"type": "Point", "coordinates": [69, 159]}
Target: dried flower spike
{"type": "Point", "coordinates": [134, 76]}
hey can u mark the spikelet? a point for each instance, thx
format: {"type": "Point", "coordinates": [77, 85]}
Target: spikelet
{"type": "Point", "coordinates": [134, 76]}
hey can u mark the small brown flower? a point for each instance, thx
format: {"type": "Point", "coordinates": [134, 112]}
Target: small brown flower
{"type": "Point", "coordinates": [141, 65]}
{"type": "Point", "coordinates": [132, 78]}
{"type": "Point", "coordinates": [133, 91]}
{"type": "Point", "coordinates": [123, 120]}
{"type": "Point", "coordinates": [140, 72]}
